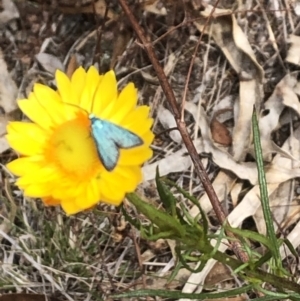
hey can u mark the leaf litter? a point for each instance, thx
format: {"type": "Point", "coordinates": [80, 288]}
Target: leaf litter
{"type": "Point", "coordinates": [238, 65]}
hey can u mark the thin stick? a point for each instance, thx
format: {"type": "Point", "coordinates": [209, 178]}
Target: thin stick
{"type": "Point", "coordinates": [199, 168]}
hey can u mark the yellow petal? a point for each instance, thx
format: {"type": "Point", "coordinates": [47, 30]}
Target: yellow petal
{"type": "Point", "coordinates": [140, 127]}
{"type": "Point", "coordinates": [125, 103]}
{"type": "Point", "coordinates": [91, 195]}
{"type": "Point", "coordinates": [124, 177]}
{"type": "Point", "coordinates": [64, 86]}
{"type": "Point", "coordinates": [86, 196]}
{"type": "Point", "coordinates": [50, 201]}
{"type": "Point", "coordinates": [109, 191]}
{"type": "Point", "coordinates": [45, 174]}
{"type": "Point", "coordinates": [30, 131]}
{"type": "Point", "coordinates": [32, 108]}
{"type": "Point", "coordinates": [148, 138]}
{"type": "Point", "coordinates": [135, 156]}
{"type": "Point", "coordinates": [66, 188]}
{"type": "Point", "coordinates": [26, 138]}
{"type": "Point", "coordinates": [138, 115]}
{"type": "Point", "coordinates": [78, 82]}
{"type": "Point", "coordinates": [24, 165]}
{"type": "Point", "coordinates": [111, 201]}
{"type": "Point", "coordinates": [130, 172]}
{"type": "Point", "coordinates": [36, 190]}
{"type": "Point", "coordinates": [51, 101]}
{"type": "Point", "coordinates": [70, 207]}
{"type": "Point", "coordinates": [58, 110]}
{"type": "Point", "coordinates": [87, 100]}
{"type": "Point", "coordinates": [105, 95]}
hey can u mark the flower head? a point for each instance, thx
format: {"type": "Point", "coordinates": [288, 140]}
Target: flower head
{"type": "Point", "coordinates": [60, 160]}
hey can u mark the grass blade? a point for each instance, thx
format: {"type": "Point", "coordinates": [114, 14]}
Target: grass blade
{"type": "Point", "coordinates": [264, 196]}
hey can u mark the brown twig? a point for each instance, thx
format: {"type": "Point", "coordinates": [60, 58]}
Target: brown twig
{"type": "Point", "coordinates": [199, 168]}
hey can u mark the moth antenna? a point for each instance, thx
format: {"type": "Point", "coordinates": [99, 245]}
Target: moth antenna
{"type": "Point", "coordinates": [76, 106]}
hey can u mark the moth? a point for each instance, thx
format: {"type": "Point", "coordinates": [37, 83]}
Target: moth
{"type": "Point", "coordinates": [109, 139]}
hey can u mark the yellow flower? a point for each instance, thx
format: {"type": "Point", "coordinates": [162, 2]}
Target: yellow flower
{"type": "Point", "coordinates": [59, 160]}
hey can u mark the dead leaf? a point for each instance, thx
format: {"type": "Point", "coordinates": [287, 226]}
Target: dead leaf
{"type": "Point", "coordinates": [8, 95]}
{"type": "Point", "coordinates": [296, 6]}
{"type": "Point", "coordinates": [49, 62]}
{"type": "Point", "coordinates": [218, 274]}
{"type": "Point", "coordinates": [72, 65]}
{"type": "Point", "coordinates": [294, 239]}
{"type": "Point", "coordinates": [176, 162]}
{"type": "Point", "coordinates": [155, 6]}
{"type": "Point", "coordinates": [9, 12]}
{"type": "Point", "coordinates": [236, 47]}
{"type": "Point", "coordinates": [220, 133]}
{"type": "Point", "coordinates": [166, 118]}
{"type": "Point", "coordinates": [122, 37]}
{"type": "Point", "coordinates": [223, 109]}
{"type": "Point", "coordinates": [8, 88]}
{"type": "Point", "coordinates": [293, 55]}
{"type": "Point", "coordinates": [282, 210]}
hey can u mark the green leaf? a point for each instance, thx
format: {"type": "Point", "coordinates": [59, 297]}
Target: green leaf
{"type": "Point", "coordinates": [175, 271]}
{"type": "Point", "coordinates": [179, 295]}
{"type": "Point", "coordinates": [134, 222]}
{"type": "Point", "coordinates": [166, 196]}
{"type": "Point", "coordinates": [195, 202]}
{"type": "Point", "coordinates": [274, 247]}
{"type": "Point", "coordinates": [165, 222]}
{"type": "Point", "coordinates": [254, 236]}
{"type": "Point", "coordinates": [181, 256]}
{"type": "Point", "coordinates": [291, 248]}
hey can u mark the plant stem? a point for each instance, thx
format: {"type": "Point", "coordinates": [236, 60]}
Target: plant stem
{"type": "Point", "coordinates": [276, 281]}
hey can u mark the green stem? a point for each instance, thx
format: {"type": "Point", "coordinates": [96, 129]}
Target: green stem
{"type": "Point", "coordinates": [255, 274]}
{"type": "Point", "coordinates": [191, 237]}
{"type": "Point", "coordinates": [278, 282]}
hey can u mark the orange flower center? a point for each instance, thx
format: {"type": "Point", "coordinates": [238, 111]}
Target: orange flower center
{"type": "Point", "coordinates": [73, 148]}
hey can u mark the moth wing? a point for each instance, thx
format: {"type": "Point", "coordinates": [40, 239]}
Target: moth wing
{"type": "Point", "coordinates": [109, 138]}
{"type": "Point", "coordinates": [122, 137]}
{"type": "Point", "coordinates": [107, 149]}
